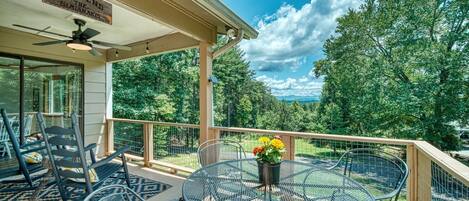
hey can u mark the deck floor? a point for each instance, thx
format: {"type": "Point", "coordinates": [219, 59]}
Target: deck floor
{"type": "Point", "coordinates": [172, 194]}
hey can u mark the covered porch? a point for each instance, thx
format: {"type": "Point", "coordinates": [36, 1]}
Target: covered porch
{"type": "Point", "coordinates": [158, 27]}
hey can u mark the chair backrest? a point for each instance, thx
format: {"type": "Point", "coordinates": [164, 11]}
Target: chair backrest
{"type": "Point", "coordinates": [113, 192]}
{"type": "Point", "coordinates": [376, 169]}
{"type": "Point", "coordinates": [217, 150]}
{"type": "Point", "coordinates": [15, 125]}
{"type": "Point", "coordinates": [3, 133]}
{"type": "Point", "coordinates": [4, 137]}
{"type": "Point", "coordinates": [66, 152]}
{"type": "Point", "coordinates": [28, 122]}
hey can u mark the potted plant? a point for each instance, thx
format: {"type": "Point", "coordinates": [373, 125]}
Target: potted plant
{"type": "Point", "coordinates": [269, 157]}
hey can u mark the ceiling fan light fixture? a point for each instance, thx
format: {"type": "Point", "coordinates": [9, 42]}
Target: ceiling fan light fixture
{"type": "Point", "coordinates": [78, 45]}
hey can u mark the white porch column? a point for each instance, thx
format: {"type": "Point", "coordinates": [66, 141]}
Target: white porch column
{"type": "Point", "coordinates": [205, 92]}
{"type": "Point", "coordinates": [109, 125]}
{"type": "Point", "coordinates": [108, 90]}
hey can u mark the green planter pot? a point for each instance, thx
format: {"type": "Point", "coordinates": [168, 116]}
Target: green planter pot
{"type": "Point", "coordinates": [268, 173]}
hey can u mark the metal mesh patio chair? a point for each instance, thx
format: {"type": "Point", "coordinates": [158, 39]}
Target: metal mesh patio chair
{"type": "Point", "coordinates": [71, 169]}
{"type": "Point", "coordinates": [113, 192]}
{"type": "Point", "coordinates": [382, 173]}
{"type": "Point", "coordinates": [219, 150]}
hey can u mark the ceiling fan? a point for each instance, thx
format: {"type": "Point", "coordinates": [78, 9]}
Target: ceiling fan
{"type": "Point", "coordinates": [79, 39]}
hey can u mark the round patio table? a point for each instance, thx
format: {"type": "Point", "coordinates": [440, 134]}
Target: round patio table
{"type": "Point", "coordinates": [239, 180]}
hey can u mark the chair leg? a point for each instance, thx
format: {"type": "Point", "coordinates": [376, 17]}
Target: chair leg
{"type": "Point", "coordinates": [62, 191]}
{"type": "Point", "coordinates": [126, 171]}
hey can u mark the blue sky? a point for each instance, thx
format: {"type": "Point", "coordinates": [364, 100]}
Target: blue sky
{"type": "Point", "coordinates": [291, 36]}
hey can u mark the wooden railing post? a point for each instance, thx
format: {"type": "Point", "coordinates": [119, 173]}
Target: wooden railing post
{"type": "Point", "coordinates": [109, 142]}
{"type": "Point", "coordinates": [412, 178]}
{"type": "Point", "coordinates": [214, 134]}
{"type": "Point", "coordinates": [424, 177]}
{"type": "Point", "coordinates": [289, 142]}
{"type": "Point", "coordinates": [147, 144]}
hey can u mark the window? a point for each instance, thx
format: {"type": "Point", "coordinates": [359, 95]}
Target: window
{"type": "Point", "coordinates": [30, 85]}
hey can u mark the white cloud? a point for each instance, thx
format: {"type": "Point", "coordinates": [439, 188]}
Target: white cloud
{"type": "Point", "coordinates": [288, 36]}
{"type": "Point", "coordinates": [304, 86]}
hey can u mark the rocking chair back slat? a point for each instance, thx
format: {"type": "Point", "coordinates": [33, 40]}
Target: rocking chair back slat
{"type": "Point", "coordinates": [61, 141]}
{"type": "Point", "coordinates": [63, 153]}
{"type": "Point", "coordinates": [70, 174]}
{"type": "Point", "coordinates": [67, 164]}
{"type": "Point", "coordinates": [56, 130]}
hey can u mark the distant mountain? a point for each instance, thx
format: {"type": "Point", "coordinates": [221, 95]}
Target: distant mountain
{"type": "Point", "coordinates": [300, 99]}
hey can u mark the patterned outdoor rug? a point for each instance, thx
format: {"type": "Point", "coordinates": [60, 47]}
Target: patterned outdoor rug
{"type": "Point", "coordinates": [146, 188]}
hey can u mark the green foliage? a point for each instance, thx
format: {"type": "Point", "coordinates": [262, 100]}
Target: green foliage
{"type": "Point", "coordinates": [398, 69]}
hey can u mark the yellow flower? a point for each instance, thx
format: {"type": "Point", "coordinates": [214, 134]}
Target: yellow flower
{"type": "Point", "coordinates": [278, 144]}
{"type": "Point", "coordinates": [264, 140]}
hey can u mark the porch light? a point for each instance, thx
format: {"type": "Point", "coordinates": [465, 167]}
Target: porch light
{"type": "Point", "coordinates": [78, 45]}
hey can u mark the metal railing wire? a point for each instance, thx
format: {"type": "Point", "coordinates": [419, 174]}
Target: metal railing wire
{"type": "Point", "coordinates": [445, 187]}
{"type": "Point", "coordinates": [177, 144]}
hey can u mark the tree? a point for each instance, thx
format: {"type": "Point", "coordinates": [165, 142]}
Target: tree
{"type": "Point", "coordinates": [399, 69]}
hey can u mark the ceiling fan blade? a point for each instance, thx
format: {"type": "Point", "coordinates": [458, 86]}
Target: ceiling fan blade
{"type": "Point", "coordinates": [50, 42]}
{"type": "Point", "coordinates": [40, 30]}
{"type": "Point", "coordinates": [119, 47]}
{"type": "Point", "coordinates": [95, 52]}
{"type": "Point", "coordinates": [89, 33]}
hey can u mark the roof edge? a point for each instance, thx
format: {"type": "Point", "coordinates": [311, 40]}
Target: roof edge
{"type": "Point", "coordinates": [221, 11]}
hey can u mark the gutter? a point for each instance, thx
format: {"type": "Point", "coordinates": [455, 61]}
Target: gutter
{"type": "Point", "coordinates": [227, 16]}
{"type": "Point", "coordinates": [229, 45]}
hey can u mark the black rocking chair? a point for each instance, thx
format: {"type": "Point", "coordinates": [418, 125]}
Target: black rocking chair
{"type": "Point", "coordinates": [71, 169]}
{"type": "Point", "coordinates": [18, 165]}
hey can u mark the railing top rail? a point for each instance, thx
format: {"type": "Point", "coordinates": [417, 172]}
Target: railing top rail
{"type": "Point", "coordinates": [319, 136]}
{"type": "Point", "coordinates": [154, 123]}
{"type": "Point", "coordinates": [445, 161]}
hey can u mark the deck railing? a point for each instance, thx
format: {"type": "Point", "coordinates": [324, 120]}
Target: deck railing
{"type": "Point", "coordinates": [434, 175]}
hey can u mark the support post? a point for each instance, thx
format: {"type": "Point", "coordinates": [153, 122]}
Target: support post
{"type": "Point", "coordinates": [215, 132]}
{"type": "Point", "coordinates": [289, 142]}
{"type": "Point", "coordinates": [205, 92]}
{"type": "Point", "coordinates": [147, 144]}
{"type": "Point", "coordinates": [109, 137]}
{"type": "Point", "coordinates": [413, 175]}
{"type": "Point", "coordinates": [424, 177]}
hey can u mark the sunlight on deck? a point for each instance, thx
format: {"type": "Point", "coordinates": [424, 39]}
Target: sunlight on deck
{"type": "Point", "coordinates": [172, 194]}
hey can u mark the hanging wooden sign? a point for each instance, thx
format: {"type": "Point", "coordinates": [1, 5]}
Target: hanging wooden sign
{"type": "Point", "coordinates": [95, 9]}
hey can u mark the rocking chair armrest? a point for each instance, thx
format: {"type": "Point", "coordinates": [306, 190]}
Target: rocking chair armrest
{"type": "Point", "coordinates": [90, 147]}
{"type": "Point", "coordinates": [108, 159]}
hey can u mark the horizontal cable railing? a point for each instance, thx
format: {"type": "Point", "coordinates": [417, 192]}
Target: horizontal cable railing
{"type": "Point", "coordinates": [434, 175]}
